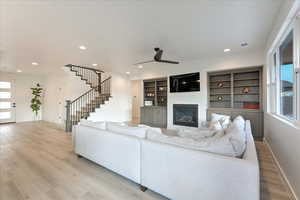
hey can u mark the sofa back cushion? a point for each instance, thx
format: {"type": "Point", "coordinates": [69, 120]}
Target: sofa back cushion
{"type": "Point", "coordinates": [127, 130]}
{"type": "Point", "coordinates": [100, 125]}
{"type": "Point", "coordinates": [237, 135]}
{"type": "Point", "coordinates": [224, 120]}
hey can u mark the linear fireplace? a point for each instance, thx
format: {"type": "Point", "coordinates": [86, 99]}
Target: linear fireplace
{"type": "Point", "coordinates": [185, 114]}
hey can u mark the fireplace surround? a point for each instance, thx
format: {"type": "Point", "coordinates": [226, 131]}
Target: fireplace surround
{"type": "Point", "coordinates": [185, 114]}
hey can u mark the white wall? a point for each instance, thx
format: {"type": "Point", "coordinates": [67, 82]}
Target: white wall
{"type": "Point", "coordinates": [228, 61]}
{"type": "Point", "coordinates": [119, 107]}
{"type": "Point", "coordinates": [283, 137]}
{"type": "Point", "coordinates": [58, 89]}
{"type": "Point", "coordinates": [67, 86]}
{"type": "Point", "coordinates": [23, 96]}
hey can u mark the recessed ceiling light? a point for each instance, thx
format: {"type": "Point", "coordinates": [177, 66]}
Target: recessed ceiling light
{"type": "Point", "coordinates": [127, 72]}
{"type": "Point", "coordinates": [227, 50]}
{"type": "Point", "coordinates": [19, 71]}
{"type": "Point", "coordinates": [95, 64]}
{"type": "Point", "coordinates": [82, 47]}
{"type": "Point", "coordinates": [35, 63]}
{"type": "Point", "coordinates": [244, 44]}
{"type": "Point", "coordinates": [140, 66]}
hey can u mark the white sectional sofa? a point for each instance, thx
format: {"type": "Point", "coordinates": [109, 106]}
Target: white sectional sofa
{"type": "Point", "coordinates": [175, 172]}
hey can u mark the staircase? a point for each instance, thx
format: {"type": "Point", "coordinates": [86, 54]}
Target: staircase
{"type": "Point", "coordinates": [81, 107]}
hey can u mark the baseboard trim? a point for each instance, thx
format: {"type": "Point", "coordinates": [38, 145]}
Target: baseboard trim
{"type": "Point", "coordinates": [281, 170]}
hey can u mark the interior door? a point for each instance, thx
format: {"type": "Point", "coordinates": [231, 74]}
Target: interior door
{"type": "Point", "coordinates": [7, 101]}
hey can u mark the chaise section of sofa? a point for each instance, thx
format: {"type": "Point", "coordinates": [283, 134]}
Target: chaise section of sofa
{"type": "Point", "coordinates": [180, 173]}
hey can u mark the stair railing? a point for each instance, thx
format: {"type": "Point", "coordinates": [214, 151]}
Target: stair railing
{"type": "Point", "coordinates": [82, 106]}
{"type": "Point", "coordinates": [90, 75]}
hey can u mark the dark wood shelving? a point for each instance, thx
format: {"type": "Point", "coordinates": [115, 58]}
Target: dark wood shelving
{"type": "Point", "coordinates": [219, 94]}
{"type": "Point", "coordinates": [239, 86]}
{"type": "Point", "coordinates": [159, 88]}
{"type": "Point", "coordinates": [220, 87]}
{"type": "Point", "coordinates": [246, 79]}
{"type": "Point", "coordinates": [220, 81]}
{"type": "Point", "coordinates": [246, 93]}
{"type": "Point", "coordinates": [220, 101]}
{"type": "Point", "coordinates": [240, 94]}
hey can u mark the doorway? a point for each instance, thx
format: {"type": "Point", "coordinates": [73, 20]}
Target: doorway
{"type": "Point", "coordinates": [136, 91]}
{"type": "Point", "coordinates": [7, 101]}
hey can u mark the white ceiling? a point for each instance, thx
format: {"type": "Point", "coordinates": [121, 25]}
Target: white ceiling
{"type": "Point", "coordinates": [118, 33]}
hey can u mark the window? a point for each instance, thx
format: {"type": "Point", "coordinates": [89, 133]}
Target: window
{"type": "Point", "coordinates": [283, 89]}
{"type": "Point", "coordinates": [5, 105]}
{"type": "Point", "coordinates": [5, 85]}
{"type": "Point", "coordinates": [5, 95]}
{"type": "Point", "coordinates": [286, 78]}
{"type": "Point", "coordinates": [5, 115]}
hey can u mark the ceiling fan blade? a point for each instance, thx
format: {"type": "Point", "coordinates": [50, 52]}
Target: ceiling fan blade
{"type": "Point", "coordinates": [140, 63]}
{"type": "Point", "coordinates": [168, 61]}
{"type": "Point", "coordinates": [158, 55]}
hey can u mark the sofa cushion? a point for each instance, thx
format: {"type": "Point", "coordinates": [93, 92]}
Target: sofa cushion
{"type": "Point", "coordinates": [127, 130]}
{"type": "Point", "coordinates": [149, 128]}
{"type": "Point", "coordinates": [237, 135]}
{"type": "Point", "coordinates": [240, 122]}
{"type": "Point", "coordinates": [196, 134]}
{"type": "Point", "coordinates": [223, 119]}
{"type": "Point", "coordinates": [218, 144]}
{"type": "Point", "coordinates": [99, 125]}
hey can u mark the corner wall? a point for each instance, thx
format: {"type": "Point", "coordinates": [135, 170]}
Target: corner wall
{"type": "Point", "coordinates": [58, 89]}
{"type": "Point", "coordinates": [119, 106]}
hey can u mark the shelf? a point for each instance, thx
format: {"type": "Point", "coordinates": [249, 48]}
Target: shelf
{"type": "Point", "coordinates": [220, 87]}
{"type": "Point", "coordinates": [256, 85]}
{"type": "Point", "coordinates": [256, 102]}
{"type": "Point", "coordinates": [220, 94]}
{"type": "Point", "coordinates": [220, 101]}
{"type": "Point", "coordinates": [220, 81]}
{"type": "Point", "coordinates": [246, 94]}
{"type": "Point", "coordinates": [245, 79]}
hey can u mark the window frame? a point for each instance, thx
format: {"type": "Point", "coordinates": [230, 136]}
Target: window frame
{"type": "Point", "coordinates": [274, 73]}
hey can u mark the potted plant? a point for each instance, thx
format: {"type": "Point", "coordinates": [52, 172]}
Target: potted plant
{"type": "Point", "coordinates": [36, 99]}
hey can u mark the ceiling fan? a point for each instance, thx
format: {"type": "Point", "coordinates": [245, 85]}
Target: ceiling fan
{"type": "Point", "coordinates": [157, 58]}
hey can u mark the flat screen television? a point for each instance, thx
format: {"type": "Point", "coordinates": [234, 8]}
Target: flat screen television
{"type": "Point", "coordinates": [185, 83]}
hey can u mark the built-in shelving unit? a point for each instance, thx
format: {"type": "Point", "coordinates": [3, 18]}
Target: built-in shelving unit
{"type": "Point", "coordinates": [235, 89]}
{"type": "Point", "coordinates": [156, 91]}
{"type": "Point", "coordinates": [237, 92]}
{"type": "Point", "coordinates": [220, 90]}
{"type": "Point", "coordinates": [154, 111]}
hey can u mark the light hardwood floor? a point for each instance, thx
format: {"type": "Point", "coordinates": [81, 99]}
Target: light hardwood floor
{"type": "Point", "coordinates": [37, 163]}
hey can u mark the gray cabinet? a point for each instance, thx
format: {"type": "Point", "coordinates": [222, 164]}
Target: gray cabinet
{"type": "Point", "coordinates": [155, 92]}
{"type": "Point", "coordinates": [155, 116]}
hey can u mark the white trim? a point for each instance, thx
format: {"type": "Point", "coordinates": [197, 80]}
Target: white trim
{"type": "Point", "coordinates": [291, 24]}
{"type": "Point", "coordinates": [281, 170]}
{"type": "Point", "coordinates": [294, 12]}
{"type": "Point", "coordinates": [283, 119]}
